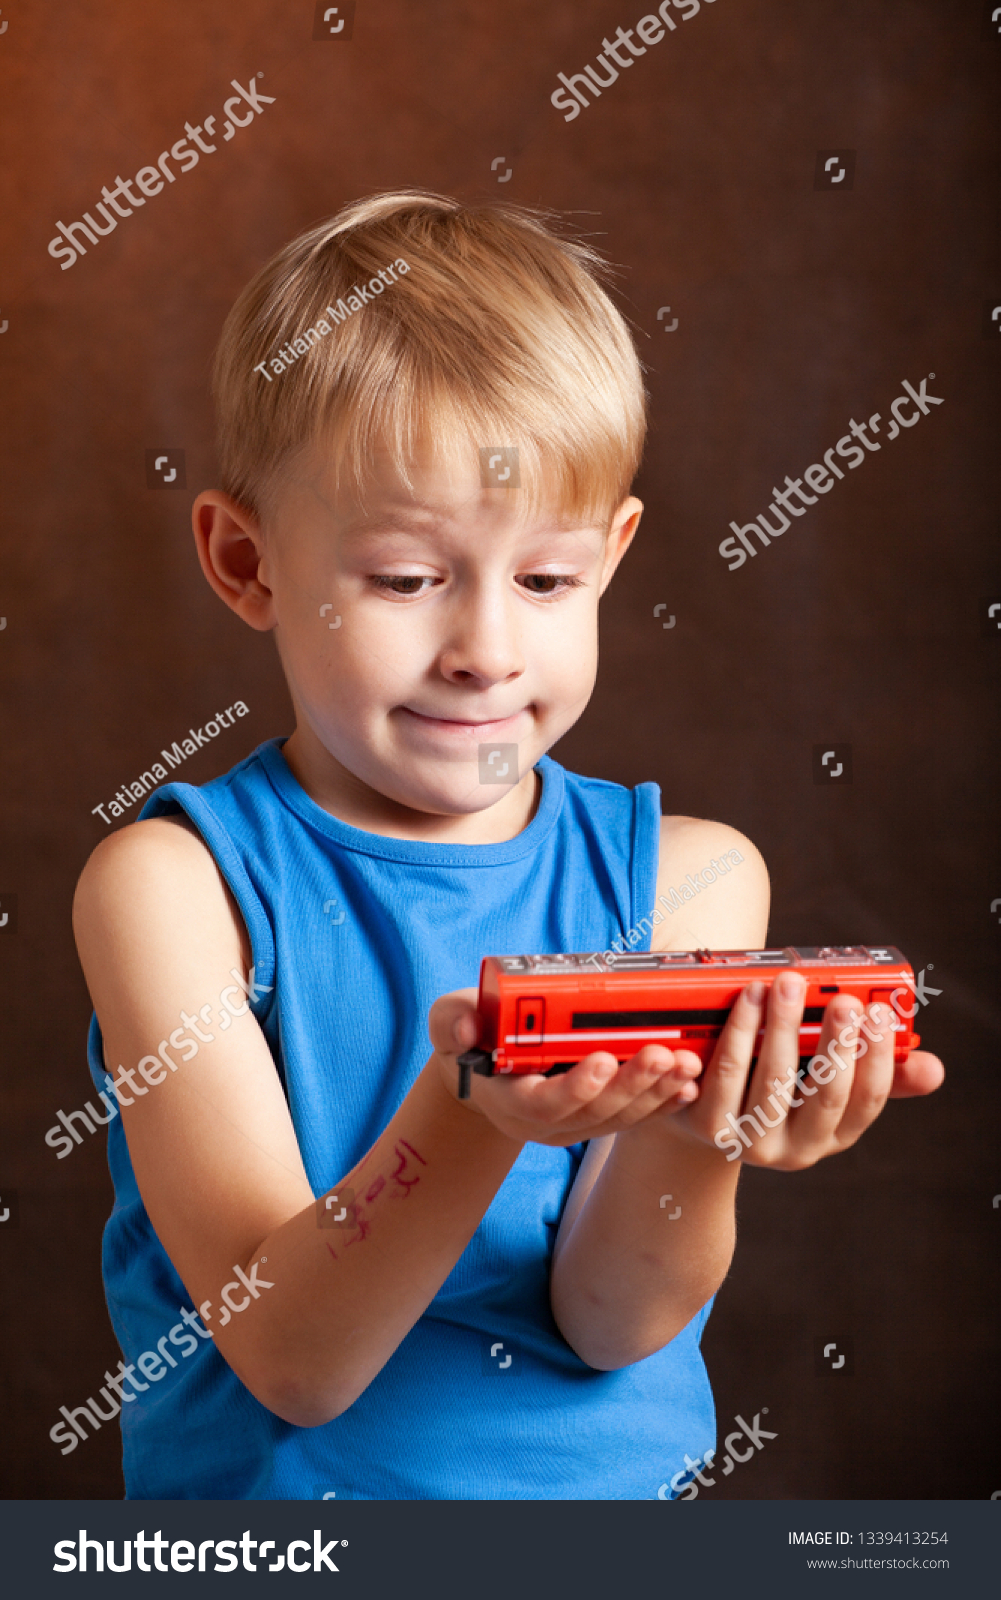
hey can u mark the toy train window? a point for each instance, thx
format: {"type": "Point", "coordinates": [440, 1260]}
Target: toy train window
{"type": "Point", "coordinates": [531, 1021]}
{"type": "Point", "coordinates": [667, 1019]}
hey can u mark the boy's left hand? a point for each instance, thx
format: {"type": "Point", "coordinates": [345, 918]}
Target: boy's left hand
{"type": "Point", "coordinates": [824, 1117]}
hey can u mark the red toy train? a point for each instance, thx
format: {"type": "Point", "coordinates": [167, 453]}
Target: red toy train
{"type": "Point", "coordinates": [545, 1013]}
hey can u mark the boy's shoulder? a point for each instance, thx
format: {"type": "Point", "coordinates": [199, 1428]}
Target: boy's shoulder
{"type": "Point", "coordinates": [713, 883]}
{"type": "Point", "coordinates": [702, 838]}
{"type": "Point", "coordinates": [156, 865]}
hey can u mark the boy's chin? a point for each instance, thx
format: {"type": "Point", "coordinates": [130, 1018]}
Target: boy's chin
{"type": "Point", "coordinates": [454, 792]}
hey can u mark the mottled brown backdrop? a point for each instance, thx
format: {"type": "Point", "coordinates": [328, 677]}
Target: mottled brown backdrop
{"type": "Point", "coordinates": [866, 624]}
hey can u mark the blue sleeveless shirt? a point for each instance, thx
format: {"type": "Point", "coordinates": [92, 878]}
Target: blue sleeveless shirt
{"type": "Point", "coordinates": [354, 935]}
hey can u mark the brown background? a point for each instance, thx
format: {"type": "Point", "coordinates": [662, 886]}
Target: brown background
{"type": "Point", "coordinates": [797, 311]}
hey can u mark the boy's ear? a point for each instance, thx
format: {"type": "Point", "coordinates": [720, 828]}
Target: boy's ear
{"type": "Point", "coordinates": [620, 536]}
{"type": "Point", "coordinates": [232, 555]}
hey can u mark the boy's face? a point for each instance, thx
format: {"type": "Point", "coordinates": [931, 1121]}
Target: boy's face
{"type": "Point", "coordinates": [464, 624]}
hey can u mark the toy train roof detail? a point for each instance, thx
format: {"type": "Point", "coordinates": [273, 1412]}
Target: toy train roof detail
{"type": "Point", "coordinates": [820, 956]}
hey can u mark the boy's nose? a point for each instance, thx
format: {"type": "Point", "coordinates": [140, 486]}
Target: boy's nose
{"type": "Point", "coordinates": [483, 644]}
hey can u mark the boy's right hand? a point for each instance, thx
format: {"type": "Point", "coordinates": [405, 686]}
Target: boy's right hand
{"type": "Point", "coordinates": [594, 1098]}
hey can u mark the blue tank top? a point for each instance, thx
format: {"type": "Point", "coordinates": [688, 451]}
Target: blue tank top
{"type": "Point", "coordinates": [354, 935]}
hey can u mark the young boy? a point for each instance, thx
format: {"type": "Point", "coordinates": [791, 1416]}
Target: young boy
{"type": "Point", "coordinates": [430, 419]}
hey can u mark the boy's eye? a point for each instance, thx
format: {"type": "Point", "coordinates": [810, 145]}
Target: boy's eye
{"type": "Point", "coordinates": [541, 583]}
{"type": "Point", "coordinates": [550, 582]}
{"type": "Point", "coordinates": [403, 584]}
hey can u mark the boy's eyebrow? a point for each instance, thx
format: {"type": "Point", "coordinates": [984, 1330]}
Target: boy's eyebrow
{"type": "Point", "coordinates": [418, 521]}
{"type": "Point", "coordinates": [401, 519]}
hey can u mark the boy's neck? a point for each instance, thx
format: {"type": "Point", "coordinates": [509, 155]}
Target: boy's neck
{"type": "Point", "coordinates": [346, 797]}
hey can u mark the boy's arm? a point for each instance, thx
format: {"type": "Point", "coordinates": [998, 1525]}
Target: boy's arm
{"type": "Point", "coordinates": [215, 1154]}
{"type": "Point", "coordinates": [652, 1237]}
{"type": "Point", "coordinates": [628, 1272]}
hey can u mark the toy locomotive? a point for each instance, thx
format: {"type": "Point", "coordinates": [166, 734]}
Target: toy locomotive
{"type": "Point", "coordinates": [545, 1013]}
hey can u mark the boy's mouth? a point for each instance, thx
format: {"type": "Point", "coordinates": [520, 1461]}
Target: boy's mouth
{"type": "Point", "coordinates": [487, 732]}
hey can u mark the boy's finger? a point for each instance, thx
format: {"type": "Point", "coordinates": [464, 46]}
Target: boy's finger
{"type": "Point", "coordinates": [921, 1073]}
{"type": "Point", "coordinates": [453, 1022]}
{"type": "Point", "coordinates": [780, 1047]}
{"type": "Point", "coordinates": [604, 1088]}
{"type": "Point", "coordinates": [553, 1101]}
{"type": "Point", "coordinates": [873, 1078]}
{"type": "Point", "coordinates": [725, 1079]}
{"type": "Point", "coordinates": [826, 1086]}
{"type": "Point", "coordinates": [654, 1077]}
{"type": "Point", "coordinates": [598, 1090]}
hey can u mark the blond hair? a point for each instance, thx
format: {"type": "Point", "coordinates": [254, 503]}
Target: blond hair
{"type": "Point", "coordinates": [500, 334]}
